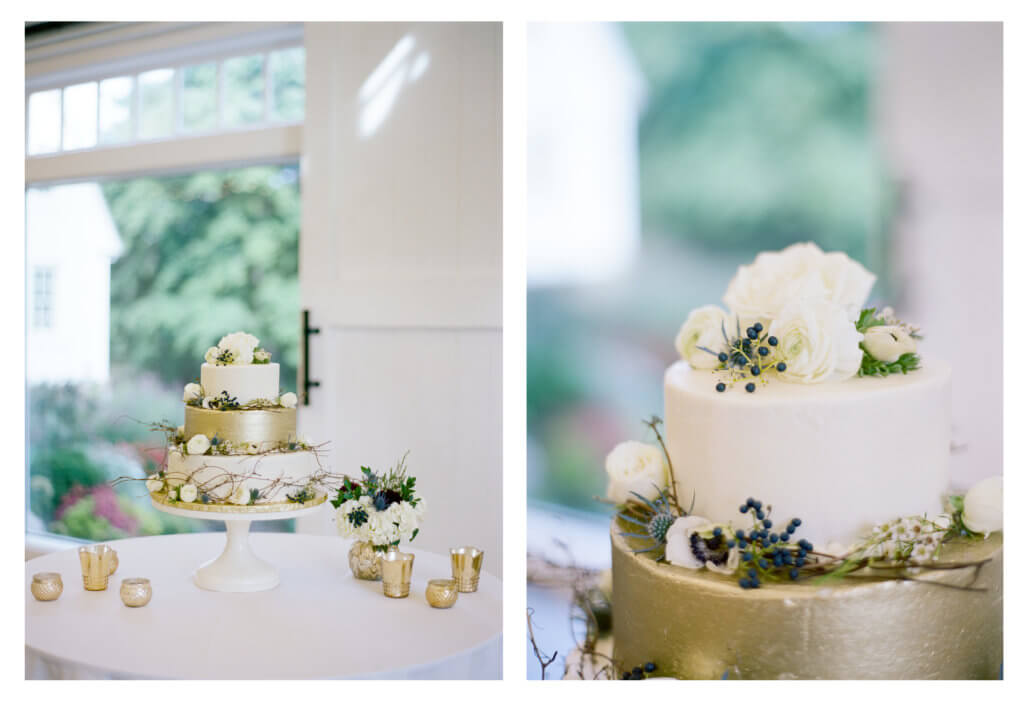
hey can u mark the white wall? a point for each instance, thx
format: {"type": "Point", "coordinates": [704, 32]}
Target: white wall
{"type": "Point", "coordinates": [940, 107]}
{"type": "Point", "coordinates": [400, 263]}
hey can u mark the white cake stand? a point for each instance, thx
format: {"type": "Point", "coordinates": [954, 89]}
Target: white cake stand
{"type": "Point", "coordinates": [238, 568]}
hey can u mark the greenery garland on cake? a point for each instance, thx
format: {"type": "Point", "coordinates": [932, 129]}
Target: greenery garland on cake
{"type": "Point", "coordinates": [642, 485]}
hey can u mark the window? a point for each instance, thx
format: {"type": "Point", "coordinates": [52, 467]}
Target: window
{"type": "Point", "coordinates": [236, 92]}
{"type": "Point", "coordinates": [42, 297]}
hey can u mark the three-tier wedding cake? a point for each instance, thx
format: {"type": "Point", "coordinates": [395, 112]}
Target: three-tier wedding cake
{"type": "Point", "coordinates": [795, 519]}
{"type": "Point", "coordinates": [238, 449]}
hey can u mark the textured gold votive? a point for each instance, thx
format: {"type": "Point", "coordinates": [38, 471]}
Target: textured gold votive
{"type": "Point", "coordinates": [98, 563]}
{"type": "Point", "coordinates": [396, 573]}
{"type": "Point", "coordinates": [136, 591]}
{"type": "Point", "coordinates": [442, 593]}
{"type": "Point", "coordinates": [47, 586]}
{"type": "Point", "coordinates": [466, 562]}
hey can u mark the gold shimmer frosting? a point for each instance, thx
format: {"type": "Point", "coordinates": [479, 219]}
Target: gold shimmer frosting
{"type": "Point", "coordinates": [252, 426]}
{"type": "Point", "coordinates": [695, 624]}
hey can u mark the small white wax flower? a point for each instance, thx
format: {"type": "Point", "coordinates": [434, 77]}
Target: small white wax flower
{"type": "Point", "coordinates": [192, 391]}
{"type": "Point", "coordinates": [983, 506]}
{"type": "Point", "coordinates": [154, 484]}
{"type": "Point", "coordinates": [635, 467]}
{"type": "Point", "coordinates": [198, 444]}
{"type": "Point", "coordinates": [188, 493]}
{"type": "Point", "coordinates": [240, 496]}
{"type": "Point", "coordinates": [289, 400]}
{"type": "Point", "coordinates": [888, 343]}
{"type": "Point", "coordinates": [211, 355]}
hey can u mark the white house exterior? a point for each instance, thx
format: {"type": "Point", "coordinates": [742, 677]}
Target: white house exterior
{"type": "Point", "coordinates": [71, 243]}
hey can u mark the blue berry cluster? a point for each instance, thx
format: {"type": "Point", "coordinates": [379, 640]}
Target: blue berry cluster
{"type": "Point", "coordinates": [764, 552]}
{"type": "Point", "coordinates": [748, 355]}
{"type": "Point", "coordinates": [640, 672]}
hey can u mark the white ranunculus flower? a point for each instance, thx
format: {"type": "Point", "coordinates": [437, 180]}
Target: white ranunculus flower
{"type": "Point", "coordinates": [192, 391]}
{"type": "Point", "coordinates": [260, 356]}
{"type": "Point", "coordinates": [983, 506]}
{"type": "Point", "coordinates": [635, 467]}
{"type": "Point", "coordinates": [758, 292]}
{"type": "Point", "coordinates": [198, 444]}
{"type": "Point", "coordinates": [289, 400]}
{"type": "Point", "coordinates": [211, 355]}
{"type": "Point", "coordinates": [154, 484]}
{"type": "Point", "coordinates": [703, 329]}
{"type": "Point", "coordinates": [240, 496]}
{"type": "Point", "coordinates": [241, 345]}
{"type": "Point", "coordinates": [817, 342]}
{"type": "Point", "coordinates": [888, 343]}
{"type": "Point", "coordinates": [188, 493]}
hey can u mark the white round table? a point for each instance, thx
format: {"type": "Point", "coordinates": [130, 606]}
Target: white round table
{"type": "Point", "coordinates": [320, 622]}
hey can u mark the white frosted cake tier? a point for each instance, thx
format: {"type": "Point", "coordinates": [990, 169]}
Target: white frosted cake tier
{"type": "Point", "coordinates": [840, 456]}
{"type": "Point", "coordinates": [210, 472]}
{"type": "Point", "coordinates": [244, 382]}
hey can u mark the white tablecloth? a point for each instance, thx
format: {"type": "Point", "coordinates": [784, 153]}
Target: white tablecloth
{"type": "Point", "coordinates": [319, 622]}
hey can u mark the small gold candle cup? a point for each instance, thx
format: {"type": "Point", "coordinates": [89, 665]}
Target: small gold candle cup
{"type": "Point", "coordinates": [442, 593]}
{"type": "Point", "coordinates": [47, 586]}
{"type": "Point", "coordinates": [396, 573]}
{"type": "Point", "coordinates": [136, 591]}
{"type": "Point", "coordinates": [98, 563]}
{"type": "Point", "coordinates": [466, 562]}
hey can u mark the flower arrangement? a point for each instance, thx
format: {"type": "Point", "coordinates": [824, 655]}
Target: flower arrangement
{"type": "Point", "coordinates": [799, 315]}
{"type": "Point", "coordinates": [237, 348]}
{"type": "Point", "coordinates": [195, 396]}
{"type": "Point", "coordinates": [767, 552]}
{"type": "Point", "coordinates": [380, 509]}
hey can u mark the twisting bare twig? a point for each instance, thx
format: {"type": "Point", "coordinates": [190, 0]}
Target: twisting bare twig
{"type": "Point", "coordinates": [545, 660]}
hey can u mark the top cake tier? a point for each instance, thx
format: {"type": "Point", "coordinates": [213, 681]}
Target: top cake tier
{"type": "Point", "coordinates": [840, 456]}
{"type": "Point", "coordinates": [244, 382]}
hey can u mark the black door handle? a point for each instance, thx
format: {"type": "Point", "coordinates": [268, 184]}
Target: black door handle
{"type": "Point", "coordinates": [307, 383]}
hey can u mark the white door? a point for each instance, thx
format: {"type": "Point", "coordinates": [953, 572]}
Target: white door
{"type": "Point", "coordinates": [400, 264]}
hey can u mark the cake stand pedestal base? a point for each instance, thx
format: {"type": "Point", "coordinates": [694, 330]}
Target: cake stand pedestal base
{"type": "Point", "coordinates": [238, 568]}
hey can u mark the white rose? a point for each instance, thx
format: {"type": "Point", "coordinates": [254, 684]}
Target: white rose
{"type": "Point", "coordinates": [192, 391]}
{"type": "Point", "coordinates": [759, 292]}
{"type": "Point", "coordinates": [211, 355]}
{"type": "Point", "coordinates": [154, 484]}
{"type": "Point", "coordinates": [188, 493]}
{"type": "Point", "coordinates": [240, 496]}
{"type": "Point", "coordinates": [703, 329]}
{"type": "Point", "coordinates": [198, 444]}
{"type": "Point", "coordinates": [983, 506]}
{"type": "Point", "coordinates": [289, 400]}
{"type": "Point", "coordinates": [241, 345]}
{"type": "Point", "coordinates": [888, 343]}
{"type": "Point", "coordinates": [635, 467]}
{"type": "Point", "coordinates": [817, 342]}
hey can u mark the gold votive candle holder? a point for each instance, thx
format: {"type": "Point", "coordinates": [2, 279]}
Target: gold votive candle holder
{"type": "Point", "coordinates": [396, 573]}
{"type": "Point", "coordinates": [442, 593]}
{"type": "Point", "coordinates": [136, 591]}
{"type": "Point", "coordinates": [98, 563]}
{"type": "Point", "coordinates": [47, 586]}
{"type": "Point", "coordinates": [466, 562]}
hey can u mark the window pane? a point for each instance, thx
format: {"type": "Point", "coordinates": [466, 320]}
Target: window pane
{"type": "Point", "coordinates": [80, 116]}
{"type": "Point", "coordinates": [131, 293]}
{"type": "Point", "coordinates": [200, 96]}
{"type": "Point", "coordinates": [156, 91]}
{"type": "Point", "coordinates": [44, 122]}
{"type": "Point", "coordinates": [288, 83]}
{"type": "Point", "coordinates": [243, 90]}
{"type": "Point", "coordinates": [42, 297]}
{"type": "Point", "coordinates": [116, 110]}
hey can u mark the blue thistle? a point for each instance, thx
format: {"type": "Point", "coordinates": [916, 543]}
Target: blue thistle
{"type": "Point", "coordinates": [658, 526]}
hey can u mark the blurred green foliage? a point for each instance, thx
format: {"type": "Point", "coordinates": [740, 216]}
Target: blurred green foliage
{"type": "Point", "coordinates": [205, 254]}
{"type": "Point", "coordinates": [756, 136]}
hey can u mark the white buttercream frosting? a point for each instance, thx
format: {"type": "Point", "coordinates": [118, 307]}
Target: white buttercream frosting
{"type": "Point", "coordinates": [245, 382]}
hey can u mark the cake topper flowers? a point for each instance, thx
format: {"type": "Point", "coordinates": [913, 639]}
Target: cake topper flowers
{"type": "Point", "coordinates": [808, 306]}
{"type": "Point", "coordinates": [237, 348]}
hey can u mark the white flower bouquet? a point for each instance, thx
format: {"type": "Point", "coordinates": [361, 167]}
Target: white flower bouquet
{"type": "Point", "coordinates": [382, 510]}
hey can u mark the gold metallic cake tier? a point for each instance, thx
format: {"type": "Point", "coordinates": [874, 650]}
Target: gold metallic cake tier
{"type": "Point", "coordinates": [258, 426]}
{"type": "Point", "coordinates": [695, 624]}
